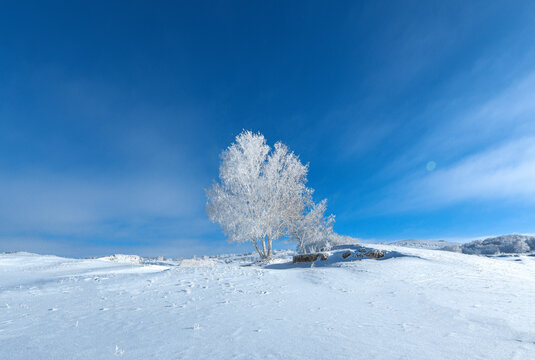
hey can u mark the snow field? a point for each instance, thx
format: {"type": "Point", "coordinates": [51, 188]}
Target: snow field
{"type": "Point", "coordinates": [423, 305]}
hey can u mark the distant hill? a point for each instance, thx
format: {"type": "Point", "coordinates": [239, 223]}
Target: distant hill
{"type": "Point", "coordinates": [505, 244]}
{"type": "Point", "coordinates": [427, 244]}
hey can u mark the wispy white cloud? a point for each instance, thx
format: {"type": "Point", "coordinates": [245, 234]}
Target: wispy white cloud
{"type": "Point", "coordinates": [508, 113]}
{"type": "Point", "coordinates": [484, 152]}
{"type": "Point", "coordinates": [506, 172]}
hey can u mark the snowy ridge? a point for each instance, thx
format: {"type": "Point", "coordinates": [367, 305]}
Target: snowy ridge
{"type": "Point", "coordinates": [505, 244]}
{"type": "Point", "coordinates": [425, 244]}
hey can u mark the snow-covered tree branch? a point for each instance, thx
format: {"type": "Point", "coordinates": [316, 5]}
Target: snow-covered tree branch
{"type": "Point", "coordinates": [313, 229]}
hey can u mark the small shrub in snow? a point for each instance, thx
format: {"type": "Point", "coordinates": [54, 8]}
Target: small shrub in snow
{"type": "Point", "coordinates": [531, 243]}
{"type": "Point", "coordinates": [335, 240]}
{"type": "Point", "coordinates": [452, 248]}
{"type": "Point", "coordinates": [123, 259]}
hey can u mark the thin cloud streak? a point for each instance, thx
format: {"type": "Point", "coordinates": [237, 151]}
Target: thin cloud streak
{"type": "Point", "coordinates": [467, 167]}
{"type": "Point", "coordinates": [506, 172]}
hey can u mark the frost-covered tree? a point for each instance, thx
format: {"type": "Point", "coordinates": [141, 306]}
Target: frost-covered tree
{"type": "Point", "coordinates": [260, 191]}
{"type": "Point", "coordinates": [505, 244]}
{"type": "Point", "coordinates": [312, 229]}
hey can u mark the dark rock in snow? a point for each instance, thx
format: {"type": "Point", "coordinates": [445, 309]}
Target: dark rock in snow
{"type": "Point", "coordinates": [346, 254]}
{"type": "Point", "coordinates": [375, 254]}
{"type": "Point", "coordinates": [308, 258]}
{"type": "Point", "coordinates": [305, 258]}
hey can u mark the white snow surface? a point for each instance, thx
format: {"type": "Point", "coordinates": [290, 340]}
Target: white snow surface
{"type": "Point", "coordinates": [123, 259]}
{"type": "Point", "coordinates": [198, 262]}
{"type": "Point", "coordinates": [412, 304]}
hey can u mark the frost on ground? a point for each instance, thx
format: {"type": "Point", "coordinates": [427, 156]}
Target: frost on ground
{"type": "Point", "coordinates": [411, 304]}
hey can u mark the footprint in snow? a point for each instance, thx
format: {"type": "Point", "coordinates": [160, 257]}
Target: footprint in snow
{"type": "Point", "coordinates": [52, 309]}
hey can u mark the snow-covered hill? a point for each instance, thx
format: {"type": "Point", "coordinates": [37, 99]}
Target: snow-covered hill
{"type": "Point", "coordinates": [499, 245]}
{"type": "Point", "coordinates": [411, 304]}
{"type": "Point", "coordinates": [426, 244]}
{"type": "Point", "coordinates": [505, 244]}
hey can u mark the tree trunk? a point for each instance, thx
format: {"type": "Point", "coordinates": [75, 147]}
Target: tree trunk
{"type": "Point", "coordinates": [258, 249]}
{"type": "Point", "coordinates": [264, 248]}
{"type": "Point", "coordinates": [302, 246]}
{"type": "Point", "coordinates": [300, 241]}
{"type": "Point", "coordinates": [269, 247]}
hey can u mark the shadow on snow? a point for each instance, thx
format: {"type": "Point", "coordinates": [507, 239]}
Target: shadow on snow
{"type": "Point", "coordinates": [336, 258]}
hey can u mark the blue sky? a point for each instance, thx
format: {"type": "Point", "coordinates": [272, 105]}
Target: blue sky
{"type": "Point", "coordinates": [417, 118]}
